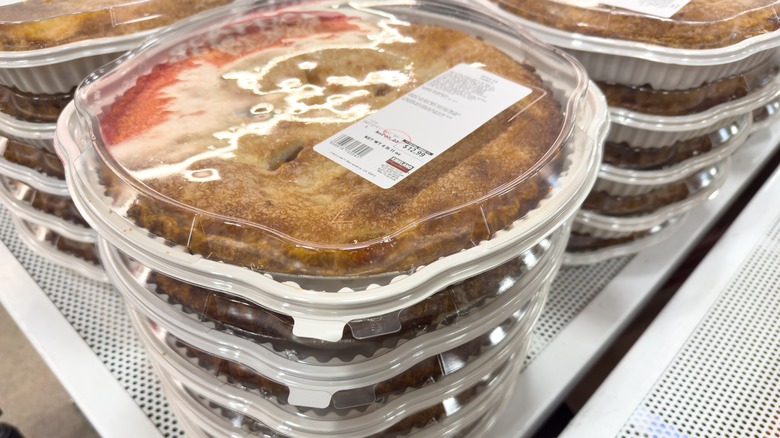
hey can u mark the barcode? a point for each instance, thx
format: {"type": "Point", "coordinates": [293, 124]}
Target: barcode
{"type": "Point", "coordinates": [356, 148]}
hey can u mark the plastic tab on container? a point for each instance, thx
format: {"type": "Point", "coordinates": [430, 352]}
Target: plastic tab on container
{"type": "Point", "coordinates": [376, 326]}
{"type": "Point", "coordinates": [330, 331]}
{"type": "Point", "coordinates": [308, 398]}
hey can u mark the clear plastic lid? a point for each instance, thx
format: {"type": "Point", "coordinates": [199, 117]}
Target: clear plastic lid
{"type": "Point", "coordinates": [32, 165]}
{"type": "Point", "coordinates": [40, 24]}
{"type": "Point", "coordinates": [657, 165]}
{"type": "Point", "coordinates": [463, 414]}
{"type": "Point", "coordinates": [55, 212]}
{"type": "Point", "coordinates": [81, 257]}
{"type": "Point", "coordinates": [698, 24]}
{"type": "Point", "coordinates": [39, 134]}
{"type": "Point", "coordinates": [648, 209]}
{"type": "Point", "coordinates": [33, 107]}
{"type": "Point", "coordinates": [257, 397]}
{"type": "Point", "coordinates": [648, 100]}
{"type": "Point", "coordinates": [205, 136]}
{"type": "Point", "coordinates": [235, 323]}
{"type": "Point", "coordinates": [590, 245]}
{"type": "Point", "coordinates": [339, 387]}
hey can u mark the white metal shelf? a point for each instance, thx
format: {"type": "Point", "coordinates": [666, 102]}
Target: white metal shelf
{"type": "Point", "coordinates": [80, 328]}
{"type": "Point", "coordinates": [708, 364]}
{"type": "Point", "coordinates": [585, 334]}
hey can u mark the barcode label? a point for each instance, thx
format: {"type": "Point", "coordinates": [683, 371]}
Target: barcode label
{"type": "Point", "coordinates": [356, 148]}
{"type": "Point", "coordinates": [400, 138]}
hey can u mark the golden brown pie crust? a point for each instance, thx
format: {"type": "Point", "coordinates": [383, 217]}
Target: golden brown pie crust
{"type": "Point", "coordinates": [582, 242]}
{"type": "Point", "coordinates": [303, 214]}
{"type": "Point", "coordinates": [33, 107]}
{"type": "Point", "coordinates": [701, 24]}
{"type": "Point", "coordinates": [21, 26]}
{"type": "Point", "coordinates": [605, 203]}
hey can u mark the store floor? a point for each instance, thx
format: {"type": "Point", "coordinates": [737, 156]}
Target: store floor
{"type": "Point", "coordinates": [31, 397]}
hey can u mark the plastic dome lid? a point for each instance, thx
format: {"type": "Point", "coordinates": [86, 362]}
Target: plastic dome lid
{"type": "Point", "coordinates": [27, 25]}
{"type": "Point", "coordinates": [238, 134]}
{"type": "Point", "coordinates": [692, 32]}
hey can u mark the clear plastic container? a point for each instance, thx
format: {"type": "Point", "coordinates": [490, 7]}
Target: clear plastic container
{"type": "Point", "coordinates": [36, 134]}
{"type": "Point", "coordinates": [49, 47]}
{"type": "Point", "coordinates": [394, 414]}
{"type": "Point", "coordinates": [703, 42]}
{"type": "Point", "coordinates": [51, 211]}
{"type": "Point", "coordinates": [33, 107]}
{"type": "Point", "coordinates": [36, 167]}
{"type": "Point", "coordinates": [588, 245]}
{"type": "Point", "coordinates": [489, 296]}
{"type": "Point", "coordinates": [649, 208]}
{"type": "Point", "coordinates": [344, 390]}
{"type": "Point", "coordinates": [623, 180]}
{"type": "Point", "coordinates": [471, 232]}
{"type": "Point", "coordinates": [675, 161]}
{"type": "Point", "coordinates": [698, 25]}
{"type": "Point", "coordinates": [766, 116]}
{"type": "Point", "coordinates": [202, 417]}
{"type": "Point", "coordinates": [648, 100]}
{"type": "Point", "coordinates": [78, 256]}
{"type": "Point", "coordinates": [756, 98]}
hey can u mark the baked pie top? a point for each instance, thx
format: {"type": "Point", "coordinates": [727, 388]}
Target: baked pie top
{"type": "Point", "coordinates": [218, 140]}
{"type": "Point", "coordinates": [700, 24]}
{"type": "Point", "coordinates": [38, 24]}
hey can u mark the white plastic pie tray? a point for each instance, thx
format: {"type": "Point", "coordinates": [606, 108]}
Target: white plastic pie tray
{"type": "Point", "coordinates": [60, 68]}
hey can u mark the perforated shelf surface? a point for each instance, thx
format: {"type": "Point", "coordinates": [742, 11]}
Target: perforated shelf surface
{"type": "Point", "coordinates": [725, 382]}
{"type": "Point", "coordinates": [708, 366]}
{"type": "Point", "coordinates": [96, 312]}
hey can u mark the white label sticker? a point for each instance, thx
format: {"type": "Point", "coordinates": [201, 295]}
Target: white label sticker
{"type": "Point", "coordinates": [391, 144]}
{"type": "Point", "coordinates": [659, 8]}
{"type": "Point", "coordinates": [10, 2]}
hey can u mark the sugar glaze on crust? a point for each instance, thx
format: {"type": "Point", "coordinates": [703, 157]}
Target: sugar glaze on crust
{"type": "Point", "coordinates": [218, 144]}
{"type": "Point", "coordinates": [701, 24]}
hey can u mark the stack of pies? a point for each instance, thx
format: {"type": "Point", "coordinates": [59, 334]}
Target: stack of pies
{"type": "Point", "coordinates": [686, 84]}
{"type": "Point", "coordinates": [46, 50]}
{"type": "Point", "coordinates": [303, 244]}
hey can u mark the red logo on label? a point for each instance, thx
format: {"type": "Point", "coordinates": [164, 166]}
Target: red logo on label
{"type": "Point", "coordinates": [400, 165]}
